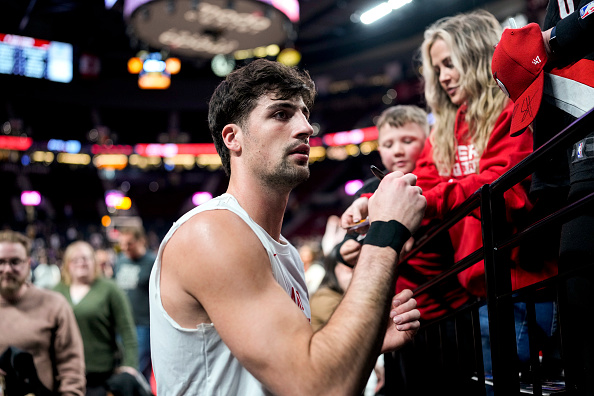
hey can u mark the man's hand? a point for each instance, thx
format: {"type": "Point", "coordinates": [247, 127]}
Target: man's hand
{"type": "Point", "coordinates": [333, 235]}
{"type": "Point", "coordinates": [408, 246]}
{"type": "Point", "coordinates": [546, 36]}
{"type": "Point", "coordinates": [404, 321]}
{"type": "Point", "coordinates": [350, 250]}
{"type": "Point", "coordinates": [355, 213]}
{"type": "Point", "coordinates": [398, 198]}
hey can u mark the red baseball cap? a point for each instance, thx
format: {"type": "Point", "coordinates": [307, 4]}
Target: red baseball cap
{"type": "Point", "coordinates": [517, 66]}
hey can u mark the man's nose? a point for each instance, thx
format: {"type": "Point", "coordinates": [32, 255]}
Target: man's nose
{"type": "Point", "coordinates": [304, 127]}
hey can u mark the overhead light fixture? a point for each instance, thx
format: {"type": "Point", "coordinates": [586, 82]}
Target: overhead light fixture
{"type": "Point", "coordinates": [382, 10]}
{"type": "Point", "coordinates": [205, 28]}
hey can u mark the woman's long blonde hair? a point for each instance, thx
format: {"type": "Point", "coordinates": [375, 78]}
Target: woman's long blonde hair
{"type": "Point", "coordinates": [66, 278]}
{"type": "Point", "coordinates": [471, 38]}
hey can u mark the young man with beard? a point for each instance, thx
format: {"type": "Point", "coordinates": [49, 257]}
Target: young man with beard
{"type": "Point", "coordinates": [229, 306]}
{"type": "Point", "coordinates": [38, 321]}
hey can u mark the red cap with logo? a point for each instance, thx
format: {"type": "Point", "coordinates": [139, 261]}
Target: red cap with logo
{"type": "Point", "coordinates": [517, 66]}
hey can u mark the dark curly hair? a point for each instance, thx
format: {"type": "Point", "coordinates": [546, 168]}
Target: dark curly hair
{"type": "Point", "coordinates": [235, 97]}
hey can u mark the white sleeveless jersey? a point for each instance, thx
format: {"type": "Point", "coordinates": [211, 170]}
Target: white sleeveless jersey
{"type": "Point", "coordinates": [196, 361]}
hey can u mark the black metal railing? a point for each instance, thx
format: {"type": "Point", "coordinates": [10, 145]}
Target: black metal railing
{"type": "Point", "coordinates": [497, 241]}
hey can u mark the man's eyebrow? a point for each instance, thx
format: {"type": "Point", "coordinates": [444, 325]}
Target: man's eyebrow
{"type": "Point", "coordinates": [288, 105]}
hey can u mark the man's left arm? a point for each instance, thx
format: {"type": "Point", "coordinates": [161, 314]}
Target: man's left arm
{"type": "Point", "coordinates": [572, 34]}
{"type": "Point", "coordinates": [69, 353]}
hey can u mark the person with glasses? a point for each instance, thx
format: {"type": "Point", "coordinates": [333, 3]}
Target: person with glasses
{"type": "Point", "coordinates": [37, 321]}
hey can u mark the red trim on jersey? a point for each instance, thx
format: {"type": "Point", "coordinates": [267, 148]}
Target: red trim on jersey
{"type": "Point", "coordinates": [581, 71]}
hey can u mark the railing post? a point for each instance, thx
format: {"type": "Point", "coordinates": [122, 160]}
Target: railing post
{"type": "Point", "coordinates": [502, 332]}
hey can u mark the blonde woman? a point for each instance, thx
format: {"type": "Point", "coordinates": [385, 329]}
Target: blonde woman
{"type": "Point", "coordinates": [102, 311]}
{"type": "Point", "coordinates": [469, 145]}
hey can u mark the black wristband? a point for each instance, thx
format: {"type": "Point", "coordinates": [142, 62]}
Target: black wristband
{"type": "Point", "coordinates": [387, 233]}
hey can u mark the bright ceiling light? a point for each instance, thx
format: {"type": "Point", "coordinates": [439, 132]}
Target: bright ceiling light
{"type": "Point", "coordinates": [382, 10]}
{"type": "Point", "coordinates": [376, 13]}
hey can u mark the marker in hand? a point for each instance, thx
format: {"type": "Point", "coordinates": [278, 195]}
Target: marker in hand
{"type": "Point", "coordinates": [365, 222]}
{"type": "Point", "coordinates": [377, 173]}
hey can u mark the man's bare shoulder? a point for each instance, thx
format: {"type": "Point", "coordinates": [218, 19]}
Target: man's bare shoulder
{"type": "Point", "coordinates": [203, 259]}
{"type": "Point", "coordinates": [211, 230]}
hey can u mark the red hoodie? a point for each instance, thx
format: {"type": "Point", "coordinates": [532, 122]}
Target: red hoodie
{"type": "Point", "coordinates": [445, 193]}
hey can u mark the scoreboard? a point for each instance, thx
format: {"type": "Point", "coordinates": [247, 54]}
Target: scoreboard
{"type": "Point", "coordinates": [31, 57]}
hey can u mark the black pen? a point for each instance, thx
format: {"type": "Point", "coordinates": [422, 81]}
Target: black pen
{"type": "Point", "coordinates": [377, 173]}
{"type": "Point", "coordinates": [365, 222]}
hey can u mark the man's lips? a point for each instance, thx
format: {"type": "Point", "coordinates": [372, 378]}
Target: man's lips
{"type": "Point", "coordinates": [302, 149]}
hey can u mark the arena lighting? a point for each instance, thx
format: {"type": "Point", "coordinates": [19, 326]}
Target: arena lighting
{"type": "Point", "coordinates": [124, 204]}
{"type": "Point", "coordinates": [368, 147]}
{"type": "Point", "coordinates": [172, 65]}
{"type": "Point", "coordinates": [112, 149]}
{"type": "Point", "coordinates": [186, 160]}
{"type": "Point", "coordinates": [352, 150]}
{"type": "Point", "coordinates": [42, 156]}
{"type": "Point", "coordinates": [172, 149]}
{"type": "Point", "coordinates": [113, 197]}
{"type": "Point", "coordinates": [352, 186]}
{"type": "Point", "coordinates": [17, 143]}
{"type": "Point", "coordinates": [206, 28]}
{"type": "Point", "coordinates": [110, 161]}
{"type": "Point", "coordinates": [337, 153]}
{"type": "Point", "coordinates": [260, 52]}
{"type": "Point", "coordinates": [153, 71]}
{"type": "Point", "coordinates": [201, 197]}
{"type": "Point", "coordinates": [135, 65]}
{"type": "Point", "coordinates": [117, 200]}
{"type": "Point", "coordinates": [144, 162]}
{"type": "Point", "coordinates": [67, 146]}
{"type": "Point", "coordinates": [212, 161]}
{"type": "Point", "coordinates": [73, 159]}
{"type": "Point", "coordinates": [105, 221]}
{"type": "Point", "coordinates": [315, 142]}
{"type": "Point", "coordinates": [355, 136]}
{"type": "Point", "coordinates": [221, 65]}
{"type": "Point", "coordinates": [289, 57]}
{"type": "Point", "coordinates": [30, 198]}
{"type": "Point", "coordinates": [317, 154]}
{"type": "Point", "coordinates": [333, 146]}
{"type": "Point", "coordinates": [382, 10]}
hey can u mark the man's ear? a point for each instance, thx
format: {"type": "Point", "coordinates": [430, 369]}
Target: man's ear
{"type": "Point", "coordinates": [230, 137]}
